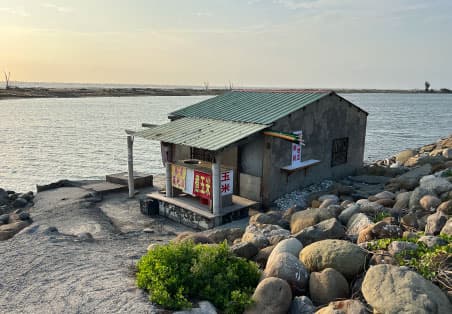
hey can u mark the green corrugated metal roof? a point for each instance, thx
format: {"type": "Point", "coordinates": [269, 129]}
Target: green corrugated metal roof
{"type": "Point", "coordinates": [262, 107]}
{"type": "Point", "coordinates": [201, 133]}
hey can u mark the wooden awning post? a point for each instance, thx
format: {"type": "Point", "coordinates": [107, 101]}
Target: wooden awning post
{"type": "Point", "coordinates": [131, 182]}
{"type": "Point", "coordinates": [216, 188]}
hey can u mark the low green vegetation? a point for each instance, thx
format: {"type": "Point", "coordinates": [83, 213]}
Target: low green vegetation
{"type": "Point", "coordinates": [381, 215]}
{"type": "Point", "coordinates": [447, 173]}
{"type": "Point", "coordinates": [433, 263]}
{"type": "Point", "coordinates": [176, 273]}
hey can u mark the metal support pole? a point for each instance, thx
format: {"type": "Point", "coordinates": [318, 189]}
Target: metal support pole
{"type": "Point", "coordinates": [216, 185]}
{"type": "Point", "coordinates": [131, 182]}
{"type": "Point", "coordinates": [169, 185]}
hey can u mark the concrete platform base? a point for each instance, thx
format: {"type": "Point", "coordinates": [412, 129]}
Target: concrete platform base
{"type": "Point", "coordinates": [188, 211]}
{"type": "Point", "coordinates": [105, 187]}
{"type": "Point", "coordinates": [140, 179]}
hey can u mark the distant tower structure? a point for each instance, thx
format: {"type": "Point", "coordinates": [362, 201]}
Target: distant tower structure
{"type": "Point", "coordinates": [427, 86]}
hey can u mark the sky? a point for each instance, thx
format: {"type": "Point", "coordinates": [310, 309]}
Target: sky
{"type": "Point", "coordinates": [260, 43]}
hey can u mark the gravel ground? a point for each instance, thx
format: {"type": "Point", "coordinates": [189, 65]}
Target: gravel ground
{"type": "Point", "coordinates": [56, 272]}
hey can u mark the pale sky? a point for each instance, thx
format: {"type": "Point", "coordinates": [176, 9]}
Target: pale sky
{"type": "Point", "coordinates": [279, 43]}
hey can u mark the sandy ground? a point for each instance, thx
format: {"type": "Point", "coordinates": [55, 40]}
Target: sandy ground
{"type": "Point", "coordinates": [55, 272]}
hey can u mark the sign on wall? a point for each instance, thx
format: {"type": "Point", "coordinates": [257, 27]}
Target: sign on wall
{"type": "Point", "coordinates": [227, 182]}
{"type": "Point", "coordinates": [202, 184]}
{"type": "Point", "coordinates": [296, 149]}
{"type": "Point", "coordinates": [178, 174]}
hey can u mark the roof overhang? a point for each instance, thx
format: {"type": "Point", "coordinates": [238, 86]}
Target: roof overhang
{"type": "Point", "coordinates": [209, 134]}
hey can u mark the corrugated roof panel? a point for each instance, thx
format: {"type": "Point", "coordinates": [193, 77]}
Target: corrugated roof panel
{"type": "Point", "coordinates": [263, 107]}
{"type": "Point", "coordinates": [207, 134]}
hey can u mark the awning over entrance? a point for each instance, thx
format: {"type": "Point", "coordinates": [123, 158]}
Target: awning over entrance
{"type": "Point", "coordinates": [206, 134]}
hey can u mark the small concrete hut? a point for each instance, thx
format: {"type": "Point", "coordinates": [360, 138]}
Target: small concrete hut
{"type": "Point", "coordinates": [248, 147]}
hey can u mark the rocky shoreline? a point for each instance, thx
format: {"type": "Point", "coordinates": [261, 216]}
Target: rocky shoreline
{"type": "Point", "coordinates": [378, 241]}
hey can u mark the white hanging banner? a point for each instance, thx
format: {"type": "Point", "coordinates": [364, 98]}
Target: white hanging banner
{"type": "Point", "coordinates": [296, 149]}
{"type": "Point", "coordinates": [227, 182]}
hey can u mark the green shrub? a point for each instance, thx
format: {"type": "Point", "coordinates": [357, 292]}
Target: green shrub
{"type": "Point", "coordinates": [175, 273]}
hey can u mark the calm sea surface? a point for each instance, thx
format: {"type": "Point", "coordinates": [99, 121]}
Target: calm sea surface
{"type": "Point", "coordinates": [44, 140]}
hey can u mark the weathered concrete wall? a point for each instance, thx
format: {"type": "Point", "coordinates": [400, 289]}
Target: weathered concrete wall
{"type": "Point", "coordinates": [327, 119]}
{"type": "Point", "coordinates": [181, 152]}
{"type": "Point", "coordinates": [251, 156]}
{"type": "Point", "coordinates": [185, 216]}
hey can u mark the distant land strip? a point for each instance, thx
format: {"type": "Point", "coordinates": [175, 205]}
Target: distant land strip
{"type": "Point", "coordinates": [41, 92]}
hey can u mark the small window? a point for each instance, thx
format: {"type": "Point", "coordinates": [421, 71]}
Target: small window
{"type": "Point", "coordinates": [339, 151]}
{"type": "Point", "coordinates": [201, 154]}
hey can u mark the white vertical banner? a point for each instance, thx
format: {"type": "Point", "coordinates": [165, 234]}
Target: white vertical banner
{"type": "Point", "coordinates": [227, 182]}
{"type": "Point", "coordinates": [189, 179]}
{"type": "Point", "coordinates": [296, 150]}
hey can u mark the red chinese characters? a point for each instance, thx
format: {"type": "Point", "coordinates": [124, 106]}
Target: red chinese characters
{"type": "Point", "coordinates": [202, 186]}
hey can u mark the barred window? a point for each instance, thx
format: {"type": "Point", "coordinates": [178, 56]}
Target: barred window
{"type": "Point", "coordinates": [339, 151]}
{"type": "Point", "coordinates": [201, 154]}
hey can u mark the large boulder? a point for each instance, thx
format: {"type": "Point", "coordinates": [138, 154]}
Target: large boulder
{"type": "Point", "coordinates": [228, 234]}
{"type": "Point", "coordinates": [291, 245]}
{"type": "Point", "coordinates": [432, 241]}
{"type": "Point", "coordinates": [429, 202]}
{"type": "Point", "coordinates": [347, 213]}
{"type": "Point", "coordinates": [307, 218]}
{"type": "Point", "coordinates": [410, 179]}
{"type": "Point", "coordinates": [435, 185]}
{"type": "Point", "coordinates": [402, 200]}
{"type": "Point", "coordinates": [9, 230]}
{"type": "Point", "coordinates": [384, 195]}
{"type": "Point", "coordinates": [357, 223]}
{"type": "Point", "coordinates": [302, 305]}
{"type": "Point", "coordinates": [4, 199]}
{"type": "Point", "coordinates": [399, 247]}
{"type": "Point", "coordinates": [393, 289]}
{"type": "Point", "coordinates": [272, 296]}
{"type": "Point", "coordinates": [445, 207]}
{"type": "Point", "coordinates": [327, 285]}
{"type": "Point", "coordinates": [369, 207]}
{"type": "Point", "coordinates": [380, 230]}
{"type": "Point", "coordinates": [262, 235]}
{"type": "Point", "coordinates": [244, 249]}
{"type": "Point", "coordinates": [344, 307]}
{"type": "Point", "coordinates": [346, 257]}
{"type": "Point", "coordinates": [416, 196]}
{"type": "Point", "coordinates": [447, 229]}
{"type": "Point", "coordinates": [404, 155]}
{"type": "Point", "coordinates": [435, 223]}
{"type": "Point", "coordinates": [288, 267]}
{"type": "Point", "coordinates": [327, 229]}
{"type": "Point", "coordinates": [263, 255]}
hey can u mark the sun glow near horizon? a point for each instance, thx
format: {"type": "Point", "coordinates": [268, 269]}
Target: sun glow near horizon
{"type": "Point", "coordinates": [316, 43]}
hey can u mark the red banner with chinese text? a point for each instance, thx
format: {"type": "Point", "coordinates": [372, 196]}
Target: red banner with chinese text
{"type": "Point", "coordinates": [202, 186]}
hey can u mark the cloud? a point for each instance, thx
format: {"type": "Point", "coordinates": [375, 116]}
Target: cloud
{"type": "Point", "coordinates": [203, 14]}
{"type": "Point", "coordinates": [298, 4]}
{"type": "Point", "coordinates": [57, 8]}
{"type": "Point", "coordinates": [20, 11]}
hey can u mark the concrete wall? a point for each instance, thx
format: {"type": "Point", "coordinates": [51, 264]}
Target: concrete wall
{"type": "Point", "coordinates": [329, 118]}
{"type": "Point", "coordinates": [181, 152]}
{"type": "Point", "coordinates": [251, 156]}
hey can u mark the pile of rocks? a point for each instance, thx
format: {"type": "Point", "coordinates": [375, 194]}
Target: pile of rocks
{"type": "Point", "coordinates": [321, 259]}
{"type": "Point", "coordinates": [13, 212]}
